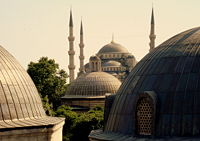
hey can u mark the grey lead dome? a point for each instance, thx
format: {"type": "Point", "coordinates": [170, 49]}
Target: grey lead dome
{"type": "Point", "coordinates": [170, 75]}
{"type": "Point", "coordinates": [93, 84]}
{"type": "Point", "coordinates": [112, 48]}
{"type": "Point", "coordinates": [20, 103]}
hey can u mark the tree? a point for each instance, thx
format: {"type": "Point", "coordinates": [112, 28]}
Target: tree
{"type": "Point", "coordinates": [70, 120]}
{"type": "Point", "coordinates": [78, 125]}
{"type": "Point", "coordinates": [86, 122]}
{"type": "Point", "coordinates": [49, 80]}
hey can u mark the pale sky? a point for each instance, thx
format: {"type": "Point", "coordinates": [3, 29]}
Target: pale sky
{"type": "Point", "coordinates": [30, 29]}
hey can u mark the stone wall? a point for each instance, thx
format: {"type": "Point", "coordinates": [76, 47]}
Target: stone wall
{"type": "Point", "coordinates": [42, 133]}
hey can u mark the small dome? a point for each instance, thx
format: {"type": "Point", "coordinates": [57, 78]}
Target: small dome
{"type": "Point", "coordinates": [112, 64]}
{"type": "Point", "coordinates": [112, 48]}
{"type": "Point", "coordinates": [93, 84]}
{"type": "Point", "coordinates": [20, 102]}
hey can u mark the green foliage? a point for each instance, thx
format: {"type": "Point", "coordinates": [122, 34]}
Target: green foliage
{"type": "Point", "coordinates": [51, 84]}
{"type": "Point", "coordinates": [70, 120]}
{"type": "Point", "coordinates": [78, 125]}
{"type": "Point", "coordinates": [49, 80]}
{"type": "Point", "coordinates": [47, 106]}
{"type": "Point", "coordinates": [86, 122]}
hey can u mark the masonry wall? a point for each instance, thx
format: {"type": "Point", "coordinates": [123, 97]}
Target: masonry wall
{"type": "Point", "coordinates": [44, 133]}
{"type": "Point", "coordinates": [88, 103]}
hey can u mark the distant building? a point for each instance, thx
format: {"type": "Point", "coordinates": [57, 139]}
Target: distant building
{"type": "Point", "coordinates": [22, 116]}
{"type": "Point", "coordinates": [92, 84]}
{"type": "Point", "coordinates": [101, 75]}
{"type": "Point", "coordinates": [90, 89]}
{"type": "Point", "coordinates": [115, 60]}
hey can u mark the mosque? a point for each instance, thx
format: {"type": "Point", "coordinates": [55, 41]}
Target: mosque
{"type": "Point", "coordinates": [159, 100]}
{"type": "Point", "coordinates": [102, 76]}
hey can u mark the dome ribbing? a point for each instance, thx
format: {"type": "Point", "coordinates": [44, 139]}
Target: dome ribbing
{"type": "Point", "coordinates": [112, 48]}
{"type": "Point", "coordinates": [20, 103]}
{"type": "Point", "coordinates": [93, 84]}
{"type": "Point", "coordinates": [165, 83]}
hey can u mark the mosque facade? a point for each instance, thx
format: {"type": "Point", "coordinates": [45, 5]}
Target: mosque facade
{"type": "Point", "coordinates": [115, 58]}
{"type": "Point", "coordinates": [102, 75]}
{"type": "Point", "coordinates": [92, 84]}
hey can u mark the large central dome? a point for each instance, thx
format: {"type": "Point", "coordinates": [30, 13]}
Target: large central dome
{"type": "Point", "coordinates": [161, 96]}
{"type": "Point", "coordinates": [112, 48]}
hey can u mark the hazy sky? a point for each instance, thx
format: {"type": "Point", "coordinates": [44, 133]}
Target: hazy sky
{"type": "Point", "coordinates": [30, 29]}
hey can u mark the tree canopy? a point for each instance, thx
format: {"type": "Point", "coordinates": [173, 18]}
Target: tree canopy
{"type": "Point", "coordinates": [78, 125]}
{"type": "Point", "coordinates": [49, 80]}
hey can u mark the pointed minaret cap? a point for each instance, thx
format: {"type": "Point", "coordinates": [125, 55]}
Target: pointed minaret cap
{"type": "Point", "coordinates": [81, 30]}
{"type": "Point", "coordinates": [71, 19]}
{"type": "Point", "coordinates": [152, 16]}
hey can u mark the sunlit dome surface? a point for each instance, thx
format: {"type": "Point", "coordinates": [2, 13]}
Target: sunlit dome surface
{"type": "Point", "coordinates": [111, 64]}
{"type": "Point", "coordinates": [112, 48]}
{"type": "Point", "coordinates": [20, 103]}
{"type": "Point", "coordinates": [93, 84]}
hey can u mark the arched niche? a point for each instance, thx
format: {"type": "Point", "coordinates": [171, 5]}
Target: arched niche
{"type": "Point", "coordinates": [145, 113]}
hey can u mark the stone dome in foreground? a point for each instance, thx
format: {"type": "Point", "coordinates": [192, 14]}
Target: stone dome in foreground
{"type": "Point", "coordinates": [112, 48]}
{"type": "Point", "coordinates": [93, 84]}
{"type": "Point", "coordinates": [161, 96]}
{"type": "Point", "coordinates": [20, 103]}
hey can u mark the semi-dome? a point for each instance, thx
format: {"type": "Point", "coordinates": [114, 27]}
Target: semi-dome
{"type": "Point", "coordinates": [112, 48]}
{"type": "Point", "coordinates": [160, 97]}
{"type": "Point", "coordinates": [111, 64]}
{"type": "Point", "coordinates": [20, 103]}
{"type": "Point", "coordinates": [93, 84]}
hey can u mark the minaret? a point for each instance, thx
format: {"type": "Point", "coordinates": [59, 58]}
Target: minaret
{"type": "Point", "coordinates": [81, 45]}
{"type": "Point", "coordinates": [71, 51]}
{"type": "Point", "coordinates": [152, 35]}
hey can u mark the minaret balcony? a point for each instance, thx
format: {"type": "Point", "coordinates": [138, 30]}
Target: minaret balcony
{"type": "Point", "coordinates": [71, 67]}
{"type": "Point", "coordinates": [81, 45]}
{"type": "Point", "coordinates": [152, 36]}
{"type": "Point", "coordinates": [81, 57]}
{"type": "Point", "coordinates": [71, 52]}
{"type": "Point", "coordinates": [71, 38]}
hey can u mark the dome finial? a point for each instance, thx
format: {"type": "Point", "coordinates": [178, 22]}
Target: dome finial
{"type": "Point", "coordinates": [112, 38]}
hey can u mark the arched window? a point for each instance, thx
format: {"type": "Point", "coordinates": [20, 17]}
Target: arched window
{"type": "Point", "coordinates": [144, 116]}
{"type": "Point", "coordinates": [93, 66]}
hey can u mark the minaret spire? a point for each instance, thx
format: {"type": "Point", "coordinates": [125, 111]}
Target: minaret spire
{"type": "Point", "coordinates": [71, 51]}
{"type": "Point", "coordinates": [70, 19]}
{"type": "Point", "coordinates": [81, 45]}
{"type": "Point", "coordinates": [152, 35]}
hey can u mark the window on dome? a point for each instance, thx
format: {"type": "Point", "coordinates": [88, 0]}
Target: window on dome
{"type": "Point", "coordinates": [144, 116]}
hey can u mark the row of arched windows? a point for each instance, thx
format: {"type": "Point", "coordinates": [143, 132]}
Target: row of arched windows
{"type": "Point", "coordinates": [113, 69]}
